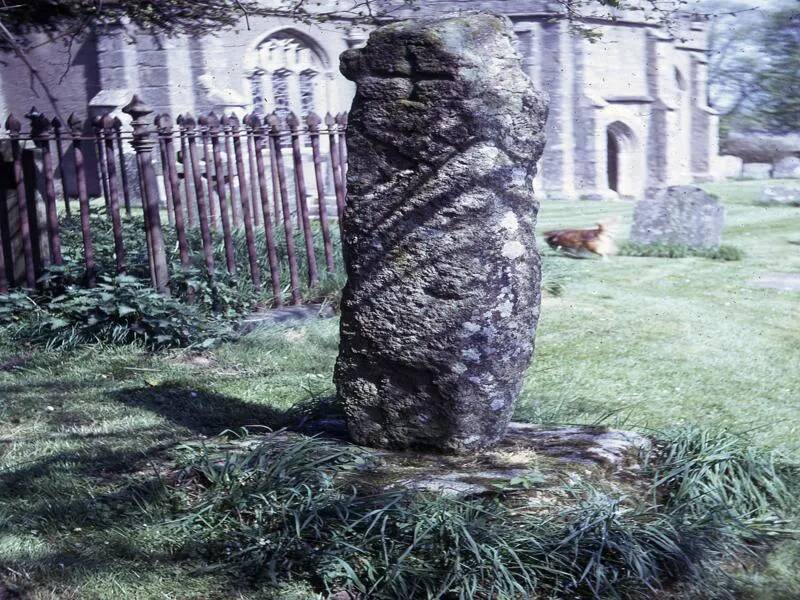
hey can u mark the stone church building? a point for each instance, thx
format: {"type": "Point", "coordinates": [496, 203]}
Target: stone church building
{"type": "Point", "coordinates": [628, 107]}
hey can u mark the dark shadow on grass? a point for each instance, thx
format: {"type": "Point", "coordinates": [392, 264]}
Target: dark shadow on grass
{"type": "Point", "coordinates": [119, 482]}
{"type": "Point", "coordinates": [200, 411]}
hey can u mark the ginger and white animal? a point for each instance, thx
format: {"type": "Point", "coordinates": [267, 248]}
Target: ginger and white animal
{"type": "Point", "coordinates": [581, 242]}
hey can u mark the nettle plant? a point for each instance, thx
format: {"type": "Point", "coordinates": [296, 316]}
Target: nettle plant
{"type": "Point", "coordinates": [119, 310]}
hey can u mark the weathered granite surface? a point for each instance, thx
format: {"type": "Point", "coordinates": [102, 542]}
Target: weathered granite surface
{"type": "Point", "coordinates": [681, 215]}
{"type": "Point", "coordinates": [534, 462]}
{"type": "Point", "coordinates": [442, 299]}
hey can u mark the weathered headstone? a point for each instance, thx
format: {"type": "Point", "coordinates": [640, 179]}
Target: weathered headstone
{"type": "Point", "coordinates": [787, 167]}
{"type": "Point", "coordinates": [728, 166]}
{"type": "Point", "coordinates": [779, 195]}
{"type": "Point", "coordinates": [442, 299]}
{"type": "Point", "coordinates": [681, 215]}
{"type": "Point", "coordinates": [757, 170]}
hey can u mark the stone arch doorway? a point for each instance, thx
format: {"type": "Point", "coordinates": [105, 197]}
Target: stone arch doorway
{"type": "Point", "coordinates": [290, 72]}
{"type": "Point", "coordinates": [621, 167]}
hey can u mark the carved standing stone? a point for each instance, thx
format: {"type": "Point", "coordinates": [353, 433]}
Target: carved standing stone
{"type": "Point", "coordinates": [442, 299]}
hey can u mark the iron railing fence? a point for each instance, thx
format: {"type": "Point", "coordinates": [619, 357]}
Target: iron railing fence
{"type": "Point", "coordinates": [212, 173]}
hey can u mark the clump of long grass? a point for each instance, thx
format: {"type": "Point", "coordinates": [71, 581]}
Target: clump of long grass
{"type": "Point", "coordinates": [290, 507]}
{"type": "Point", "coordinates": [723, 252]}
{"type": "Point", "coordinates": [720, 473]}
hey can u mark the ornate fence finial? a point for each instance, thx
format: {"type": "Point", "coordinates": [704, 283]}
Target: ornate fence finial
{"type": "Point", "coordinates": [292, 121]}
{"type": "Point", "coordinates": [56, 123]}
{"type": "Point", "coordinates": [166, 121]}
{"type": "Point", "coordinates": [40, 127]}
{"type": "Point", "coordinates": [74, 123]}
{"type": "Point", "coordinates": [138, 110]}
{"type": "Point", "coordinates": [330, 121]}
{"type": "Point", "coordinates": [274, 122]}
{"type": "Point", "coordinates": [313, 121]}
{"type": "Point", "coordinates": [108, 123]}
{"type": "Point", "coordinates": [117, 124]}
{"type": "Point", "coordinates": [13, 125]}
{"type": "Point", "coordinates": [33, 113]}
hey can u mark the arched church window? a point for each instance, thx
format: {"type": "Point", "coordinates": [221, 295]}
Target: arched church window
{"type": "Point", "coordinates": [280, 93]}
{"type": "Point", "coordinates": [257, 91]}
{"type": "Point", "coordinates": [307, 96]}
{"type": "Point", "coordinates": [288, 70]}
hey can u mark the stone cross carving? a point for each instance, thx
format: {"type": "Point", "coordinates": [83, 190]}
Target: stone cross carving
{"type": "Point", "coordinates": [442, 299]}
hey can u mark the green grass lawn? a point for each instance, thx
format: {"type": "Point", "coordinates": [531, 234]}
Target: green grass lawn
{"type": "Point", "coordinates": [639, 342]}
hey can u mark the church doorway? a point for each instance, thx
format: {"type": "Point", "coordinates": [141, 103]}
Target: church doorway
{"type": "Point", "coordinates": [620, 159]}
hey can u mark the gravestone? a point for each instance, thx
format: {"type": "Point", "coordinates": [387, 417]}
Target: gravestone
{"type": "Point", "coordinates": [757, 170]}
{"type": "Point", "coordinates": [787, 168]}
{"type": "Point", "coordinates": [779, 195]}
{"type": "Point", "coordinates": [681, 215]}
{"type": "Point", "coordinates": [728, 167]}
{"type": "Point", "coordinates": [440, 308]}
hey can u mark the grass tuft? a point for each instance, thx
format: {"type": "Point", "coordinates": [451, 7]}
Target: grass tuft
{"type": "Point", "coordinates": [723, 252]}
{"type": "Point", "coordinates": [291, 507]}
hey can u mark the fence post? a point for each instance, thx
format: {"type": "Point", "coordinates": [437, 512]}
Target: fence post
{"type": "Point", "coordinates": [202, 122]}
{"type": "Point", "coordinates": [123, 168]}
{"type": "Point", "coordinates": [191, 207]}
{"type": "Point", "coordinates": [236, 208]}
{"type": "Point", "coordinates": [330, 123]}
{"type": "Point", "coordinates": [83, 199]}
{"type": "Point", "coordinates": [302, 200]}
{"type": "Point", "coordinates": [232, 125]}
{"type": "Point", "coordinates": [275, 153]}
{"type": "Point", "coordinates": [213, 132]}
{"type": "Point", "coordinates": [255, 204]}
{"type": "Point", "coordinates": [202, 210]}
{"type": "Point", "coordinates": [164, 124]}
{"type": "Point", "coordinates": [113, 193]}
{"type": "Point", "coordinates": [97, 124]}
{"type": "Point", "coordinates": [143, 144]}
{"type": "Point", "coordinates": [40, 132]}
{"type": "Point", "coordinates": [341, 121]}
{"type": "Point", "coordinates": [164, 172]}
{"type": "Point", "coordinates": [56, 123]}
{"type": "Point", "coordinates": [313, 122]}
{"type": "Point", "coordinates": [14, 127]}
{"type": "Point", "coordinates": [3, 278]}
{"type": "Point", "coordinates": [256, 128]}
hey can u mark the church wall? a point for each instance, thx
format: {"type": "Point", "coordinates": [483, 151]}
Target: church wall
{"type": "Point", "coordinates": [71, 76]}
{"type": "Point", "coordinates": [635, 78]}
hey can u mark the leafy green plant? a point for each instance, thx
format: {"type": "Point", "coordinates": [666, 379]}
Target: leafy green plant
{"type": "Point", "coordinates": [723, 252]}
{"type": "Point", "coordinates": [16, 307]}
{"type": "Point", "coordinates": [120, 310]}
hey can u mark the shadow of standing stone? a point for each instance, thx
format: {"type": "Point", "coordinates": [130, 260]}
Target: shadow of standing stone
{"type": "Point", "coordinates": [680, 215]}
{"type": "Point", "coordinates": [441, 304]}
